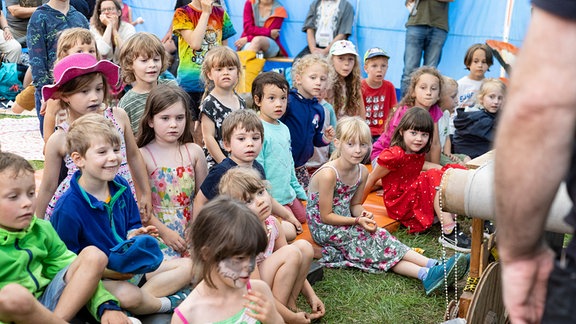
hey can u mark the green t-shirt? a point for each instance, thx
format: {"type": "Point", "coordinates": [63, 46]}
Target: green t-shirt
{"type": "Point", "coordinates": [430, 13]}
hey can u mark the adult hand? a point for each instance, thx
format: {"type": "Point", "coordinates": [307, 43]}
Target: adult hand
{"type": "Point", "coordinates": [274, 33]}
{"type": "Point", "coordinates": [104, 19]}
{"type": "Point", "coordinates": [240, 42]}
{"type": "Point", "coordinates": [8, 34]}
{"type": "Point", "coordinates": [114, 317]}
{"type": "Point", "coordinates": [526, 285]}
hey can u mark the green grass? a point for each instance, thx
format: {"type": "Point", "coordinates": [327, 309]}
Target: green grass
{"type": "Point", "coordinates": [353, 296]}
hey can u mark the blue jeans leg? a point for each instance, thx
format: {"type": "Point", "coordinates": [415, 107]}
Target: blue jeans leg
{"type": "Point", "coordinates": [415, 39]}
{"type": "Point", "coordinates": [433, 46]}
{"type": "Point", "coordinates": [38, 99]}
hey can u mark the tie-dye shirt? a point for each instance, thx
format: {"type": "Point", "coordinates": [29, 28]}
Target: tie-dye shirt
{"type": "Point", "coordinates": [219, 28]}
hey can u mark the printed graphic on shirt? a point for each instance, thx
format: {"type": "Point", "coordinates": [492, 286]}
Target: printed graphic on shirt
{"type": "Point", "coordinates": [375, 110]}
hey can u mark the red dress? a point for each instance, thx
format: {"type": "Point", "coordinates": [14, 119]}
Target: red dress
{"type": "Point", "coordinates": [409, 192]}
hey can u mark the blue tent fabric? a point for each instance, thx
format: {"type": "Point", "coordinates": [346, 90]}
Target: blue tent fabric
{"type": "Point", "coordinates": [377, 23]}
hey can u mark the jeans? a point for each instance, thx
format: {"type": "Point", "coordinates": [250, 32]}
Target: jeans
{"type": "Point", "coordinates": [38, 100]}
{"type": "Point", "coordinates": [421, 41]}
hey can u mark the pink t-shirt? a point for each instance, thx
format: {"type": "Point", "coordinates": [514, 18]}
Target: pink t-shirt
{"type": "Point", "coordinates": [383, 141]}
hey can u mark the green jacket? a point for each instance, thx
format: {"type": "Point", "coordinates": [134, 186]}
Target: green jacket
{"type": "Point", "coordinates": [33, 256]}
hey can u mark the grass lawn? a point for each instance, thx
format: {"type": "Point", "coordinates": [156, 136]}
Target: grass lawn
{"type": "Point", "coordinates": [352, 296]}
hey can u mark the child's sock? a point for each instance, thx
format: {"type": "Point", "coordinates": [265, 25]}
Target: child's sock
{"type": "Point", "coordinates": [166, 305]}
{"type": "Point", "coordinates": [431, 263]}
{"type": "Point", "coordinates": [423, 273]}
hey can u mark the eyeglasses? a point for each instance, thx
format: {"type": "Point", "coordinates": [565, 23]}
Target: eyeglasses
{"type": "Point", "coordinates": [108, 9]}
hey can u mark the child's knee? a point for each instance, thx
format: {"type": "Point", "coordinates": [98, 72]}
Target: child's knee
{"type": "Point", "coordinates": [16, 300]}
{"type": "Point", "coordinates": [305, 248]}
{"type": "Point", "coordinates": [93, 258]}
{"type": "Point", "coordinates": [129, 296]}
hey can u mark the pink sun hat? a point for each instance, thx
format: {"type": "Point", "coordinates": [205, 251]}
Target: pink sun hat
{"type": "Point", "coordinates": [78, 64]}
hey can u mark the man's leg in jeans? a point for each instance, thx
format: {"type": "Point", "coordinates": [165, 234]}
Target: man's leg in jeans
{"type": "Point", "coordinates": [415, 37]}
{"type": "Point", "coordinates": [560, 301]}
{"type": "Point", "coordinates": [433, 47]}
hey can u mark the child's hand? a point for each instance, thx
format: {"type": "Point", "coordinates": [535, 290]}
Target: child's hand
{"type": "Point", "coordinates": [150, 230]}
{"type": "Point", "coordinates": [367, 214]}
{"type": "Point", "coordinates": [317, 306]}
{"type": "Point", "coordinates": [259, 307]}
{"type": "Point", "coordinates": [114, 317]}
{"type": "Point", "coordinates": [329, 134]}
{"type": "Point", "coordinates": [174, 240]}
{"type": "Point", "coordinates": [206, 5]}
{"type": "Point", "coordinates": [145, 208]}
{"type": "Point", "coordinates": [367, 223]}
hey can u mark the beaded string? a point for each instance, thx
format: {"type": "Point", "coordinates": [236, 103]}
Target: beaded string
{"type": "Point", "coordinates": [439, 189]}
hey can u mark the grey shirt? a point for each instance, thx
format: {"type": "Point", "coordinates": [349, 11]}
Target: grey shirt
{"type": "Point", "coordinates": [19, 25]}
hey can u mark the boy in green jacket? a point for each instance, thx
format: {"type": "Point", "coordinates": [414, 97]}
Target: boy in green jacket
{"type": "Point", "coordinates": [41, 281]}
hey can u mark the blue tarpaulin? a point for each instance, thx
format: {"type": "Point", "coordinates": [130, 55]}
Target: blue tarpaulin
{"type": "Point", "coordinates": [379, 23]}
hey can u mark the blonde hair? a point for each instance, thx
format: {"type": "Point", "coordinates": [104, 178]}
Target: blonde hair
{"type": "Point", "coordinates": [219, 57]}
{"type": "Point", "coordinates": [72, 36]}
{"type": "Point", "coordinates": [350, 128]}
{"type": "Point", "coordinates": [306, 61]}
{"type": "Point", "coordinates": [84, 129]}
{"type": "Point", "coordinates": [142, 44]}
{"type": "Point", "coordinates": [353, 104]}
{"type": "Point", "coordinates": [487, 85]}
{"type": "Point", "coordinates": [241, 183]}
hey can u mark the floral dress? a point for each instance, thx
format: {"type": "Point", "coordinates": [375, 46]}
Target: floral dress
{"type": "Point", "coordinates": [351, 246]}
{"type": "Point", "coordinates": [124, 169]}
{"type": "Point", "coordinates": [172, 198]}
{"type": "Point", "coordinates": [216, 111]}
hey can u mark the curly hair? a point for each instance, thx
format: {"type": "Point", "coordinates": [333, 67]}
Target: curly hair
{"type": "Point", "coordinates": [353, 96]}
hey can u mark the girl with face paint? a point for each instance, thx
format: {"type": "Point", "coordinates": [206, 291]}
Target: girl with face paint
{"type": "Point", "coordinates": [224, 240]}
{"type": "Point", "coordinates": [282, 266]}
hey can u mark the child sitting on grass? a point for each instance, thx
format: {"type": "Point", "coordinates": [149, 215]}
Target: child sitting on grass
{"type": "Point", "coordinates": [348, 233]}
{"type": "Point", "coordinates": [242, 134]}
{"type": "Point", "coordinates": [41, 281]}
{"type": "Point", "coordinates": [282, 266]}
{"type": "Point", "coordinates": [99, 209]}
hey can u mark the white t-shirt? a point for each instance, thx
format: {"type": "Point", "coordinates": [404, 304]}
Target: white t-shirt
{"type": "Point", "coordinates": [467, 89]}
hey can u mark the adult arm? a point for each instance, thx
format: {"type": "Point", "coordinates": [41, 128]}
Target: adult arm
{"type": "Point", "coordinates": [21, 12]}
{"type": "Point", "coordinates": [523, 198]}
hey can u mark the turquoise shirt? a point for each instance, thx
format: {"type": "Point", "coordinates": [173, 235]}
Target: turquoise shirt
{"type": "Point", "coordinates": [276, 158]}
